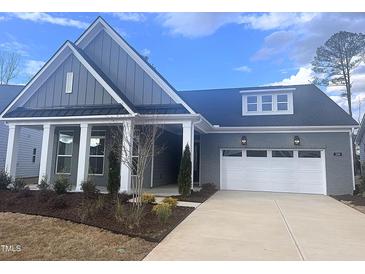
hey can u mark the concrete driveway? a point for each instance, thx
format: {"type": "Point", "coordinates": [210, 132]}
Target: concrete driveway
{"type": "Point", "coordinates": [238, 225]}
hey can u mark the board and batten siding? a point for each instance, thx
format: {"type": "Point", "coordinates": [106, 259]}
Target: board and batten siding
{"type": "Point", "coordinates": [85, 91]}
{"type": "Point", "coordinates": [28, 140]}
{"type": "Point", "coordinates": [124, 72]}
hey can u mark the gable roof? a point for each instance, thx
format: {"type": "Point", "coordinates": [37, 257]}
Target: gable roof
{"type": "Point", "coordinates": [7, 94]}
{"type": "Point", "coordinates": [138, 58]}
{"type": "Point", "coordinates": [97, 73]}
{"type": "Point", "coordinates": [361, 131]}
{"type": "Point", "coordinates": [223, 107]}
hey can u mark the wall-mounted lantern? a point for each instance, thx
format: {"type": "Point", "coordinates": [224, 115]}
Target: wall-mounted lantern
{"type": "Point", "coordinates": [243, 140]}
{"type": "Point", "coordinates": [296, 140]}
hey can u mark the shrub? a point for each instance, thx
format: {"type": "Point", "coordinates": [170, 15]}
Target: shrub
{"type": "Point", "coordinates": [89, 189]}
{"type": "Point", "coordinates": [124, 197]}
{"type": "Point", "coordinates": [119, 211]}
{"type": "Point", "coordinates": [5, 180]}
{"type": "Point", "coordinates": [59, 202]}
{"type": "Point", "coordinates": [163, 212]}
{"type": "Point", "coordinates": [61, 185]}
{"type": "Point", "coordinates": [18, 185]}
{"type": "Point", "coordinates": [43, 185]}
{"type": "Point", "coordinates": [184, 177]}
{"type": "Point", "coordinates": [148, 198]}
{"type": "Point", "coordinates": [114, 174]}
{"type": "Point", "coordinates": [171, 201]}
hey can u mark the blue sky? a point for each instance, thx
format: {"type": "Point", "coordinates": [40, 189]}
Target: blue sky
{"type": "Point", "coordinates": [196, 50]}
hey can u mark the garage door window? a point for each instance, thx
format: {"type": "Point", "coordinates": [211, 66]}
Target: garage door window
{"type": "Point", "coordinates": [256, 153]}
{"type": "Point", "coordinates": [232, 153]}
{"type": "Point", "coordinates": [309, 154]}
{"type": "Point", "coordinates": [282, 154]}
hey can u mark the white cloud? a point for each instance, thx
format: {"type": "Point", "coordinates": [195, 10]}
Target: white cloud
{"type": "Point", "coordinates": [243, 69]}
{"type": "Point", "coordinates": [130, 16]}
{"type": "Point", "coordinates": [275, 20]}
{"type": "Point", "coordinates": [194, 25]}
{"type": "Point", "coordinates": [31, 67]}
{"type": "Point", "coordinates": [14, 46]}
{"type": "Point", "coordinates": [304, 75]}
{"type": "Point", "coordinates": [41, 17]}
{"type": "Point", "coordinates": [145, 52]}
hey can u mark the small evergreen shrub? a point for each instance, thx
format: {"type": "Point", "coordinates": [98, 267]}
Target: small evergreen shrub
{"type": "Point", "coordinates": [43, 185]}
{"type": "Point", "coordinates": [163, 212]}
{"type": "Point", "coordinates": [89, 189]}
{"type": "Point", "coordinates": [171, 201]}
{"type": "Point", "coordinates": [5, 180]}
{"type": "Point", "coordinates": [113, 174]}
{"type": "Point", "coordinates": [148, 198]}
{"type": "Point", "coordinates": [18, 185]}
{"type": "Point", "coordinates": [61, 185]}
{"type": "Point", "coordinates": [184, 177]}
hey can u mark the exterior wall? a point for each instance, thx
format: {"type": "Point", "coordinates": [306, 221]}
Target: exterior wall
{"type": "Point", "coordinates": [124, 72]}
{"type": "Point", "coordinates": [166, 164]}
{"type": "Point", "coordinates": [29, 139]}
{"type": "Point", "coordinates": [338, 169]}
{"type": "Point", "coordinates": [85, 91]}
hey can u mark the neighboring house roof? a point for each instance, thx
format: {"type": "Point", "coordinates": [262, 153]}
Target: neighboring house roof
{"type": "Point", "coordinates": [361, 131]}
{"type": "Point", "coordinates": [7, 94]}
{"type": "Point", "coordinates": [223, 107]}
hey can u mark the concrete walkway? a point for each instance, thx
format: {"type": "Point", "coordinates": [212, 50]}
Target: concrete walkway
{"type": "Point", "coordinates": [238, 225]}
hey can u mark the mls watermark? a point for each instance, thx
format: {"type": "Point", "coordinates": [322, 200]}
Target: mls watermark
{"type": "Point", "coordinates": [10, 248]}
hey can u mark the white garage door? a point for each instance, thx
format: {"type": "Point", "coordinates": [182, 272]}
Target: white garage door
{"type": "Point", "coordinates": [298, 171]}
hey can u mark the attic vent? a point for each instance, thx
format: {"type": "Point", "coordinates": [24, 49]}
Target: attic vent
{"type": "Point", "coordinates": [69, 80]}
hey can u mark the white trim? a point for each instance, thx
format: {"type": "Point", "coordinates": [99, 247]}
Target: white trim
{"type": "Point", "coordinates": [352, 161]}
{"type": "Point", "coordinates": [153, 157]}
{"type": "Point", "coordinates": [45, 164]}
{"type": "Point", "coordinates": [267, 90]}
{"type": "Point", "coordinates": [274, 104]}
{"type": "Point", "coordinates": [83, 157]}
{"type": "Point", "coordinates": [138, 60]}
{"type": "Point", "coordinates": [69, 82]}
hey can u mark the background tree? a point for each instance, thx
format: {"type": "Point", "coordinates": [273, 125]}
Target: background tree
{"type": "Point", "coordinates": [9, 67]}
{"type": "Point", "coordinates": [337, 58]}
{"type": "Point", "coordinates": [184, 177]}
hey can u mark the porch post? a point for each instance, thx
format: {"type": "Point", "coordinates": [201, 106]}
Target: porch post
{"type": "Point", "coordinates": [84, 150]}
{"type": "Point", "coordinates": [125, 171]}
{"type": "Point", "coordinates": [12, 150]}
{"type": "Point", "coordinates": [46, 152]}
{"type": "Point", "coordinates": [188, 139]}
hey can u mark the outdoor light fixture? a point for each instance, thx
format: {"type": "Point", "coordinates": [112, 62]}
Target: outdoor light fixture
{"type": "Point", "coordinates": [243, 140]}
{"type": "Point", "coordinates": [296, 140]}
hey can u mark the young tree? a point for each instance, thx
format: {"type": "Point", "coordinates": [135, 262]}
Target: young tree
{"type": "Point", "coordinates": [184, 177]}
{"type": "Point", "coordinates": [337, 58]}
{"type": "Point", "coordinates": [9, 67]}
{"type": "Point", "coordinates": [137, 159]}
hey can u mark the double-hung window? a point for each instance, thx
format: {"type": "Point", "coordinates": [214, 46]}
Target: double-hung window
{"type": "Point", "coordinates": [97, 152]}
{"type": "Point", "coordinates": [266, 102]}
{"type": "Point", "coordinates": [282, 102]}
{"type": "Point", "coordinates": [64, 152]}
{"type": "Point", "coordinates": [252, 103]}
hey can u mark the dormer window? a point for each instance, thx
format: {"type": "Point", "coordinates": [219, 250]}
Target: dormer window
{"type": "Point", "coordinates": [264, 102]}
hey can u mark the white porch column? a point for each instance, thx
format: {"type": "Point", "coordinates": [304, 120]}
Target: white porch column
{"type": "Point", "coordinates": [84, 150]}
{"type": "Point", "coordinates": [46, 153]}
{"type": "Point", "coordinates": [12, 150]}
{"type": "Point", "coordinates": [125, 171]}
{"type": "Point", "coordinates": [188, 138]}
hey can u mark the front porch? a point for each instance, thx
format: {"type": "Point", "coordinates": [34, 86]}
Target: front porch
{"type": "Point", "coordinates": [79, 150]}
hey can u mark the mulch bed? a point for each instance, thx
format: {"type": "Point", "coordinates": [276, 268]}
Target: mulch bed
{"type": "Point", "coordinates": [198, 196]}
{"type": "Point", "coordinates": [355, 201]}
{"type": "Point", "coordinates": [149, 229]}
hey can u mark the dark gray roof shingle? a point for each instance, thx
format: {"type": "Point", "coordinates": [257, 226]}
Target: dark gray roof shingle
{"type": "Point", "coordinates": [223, 107]}
{"type": "Point", "coordinates": [7, 94]}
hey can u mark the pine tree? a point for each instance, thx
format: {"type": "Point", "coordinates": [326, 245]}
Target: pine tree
{"type": "Point", "coordinates": [184, 178]}
{"type": "Point", "coordinates": [114, 174]}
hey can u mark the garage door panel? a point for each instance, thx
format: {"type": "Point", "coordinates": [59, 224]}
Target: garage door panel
{"type": "Point", "coordinates": [301, 175]}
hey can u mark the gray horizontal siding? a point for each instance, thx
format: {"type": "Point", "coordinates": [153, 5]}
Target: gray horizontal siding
{"type": "Point", "coordinates": [29, 139]}
{"type": "Point", "coordinates": [86, 90]}
{"type": "Point", "coordinates": [338, 169]}
{"type": "Point", "coordinates": [124, 72]}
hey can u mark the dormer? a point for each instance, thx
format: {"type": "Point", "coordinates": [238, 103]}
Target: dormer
{"type": "Point", "coordinates": [275, 101]}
